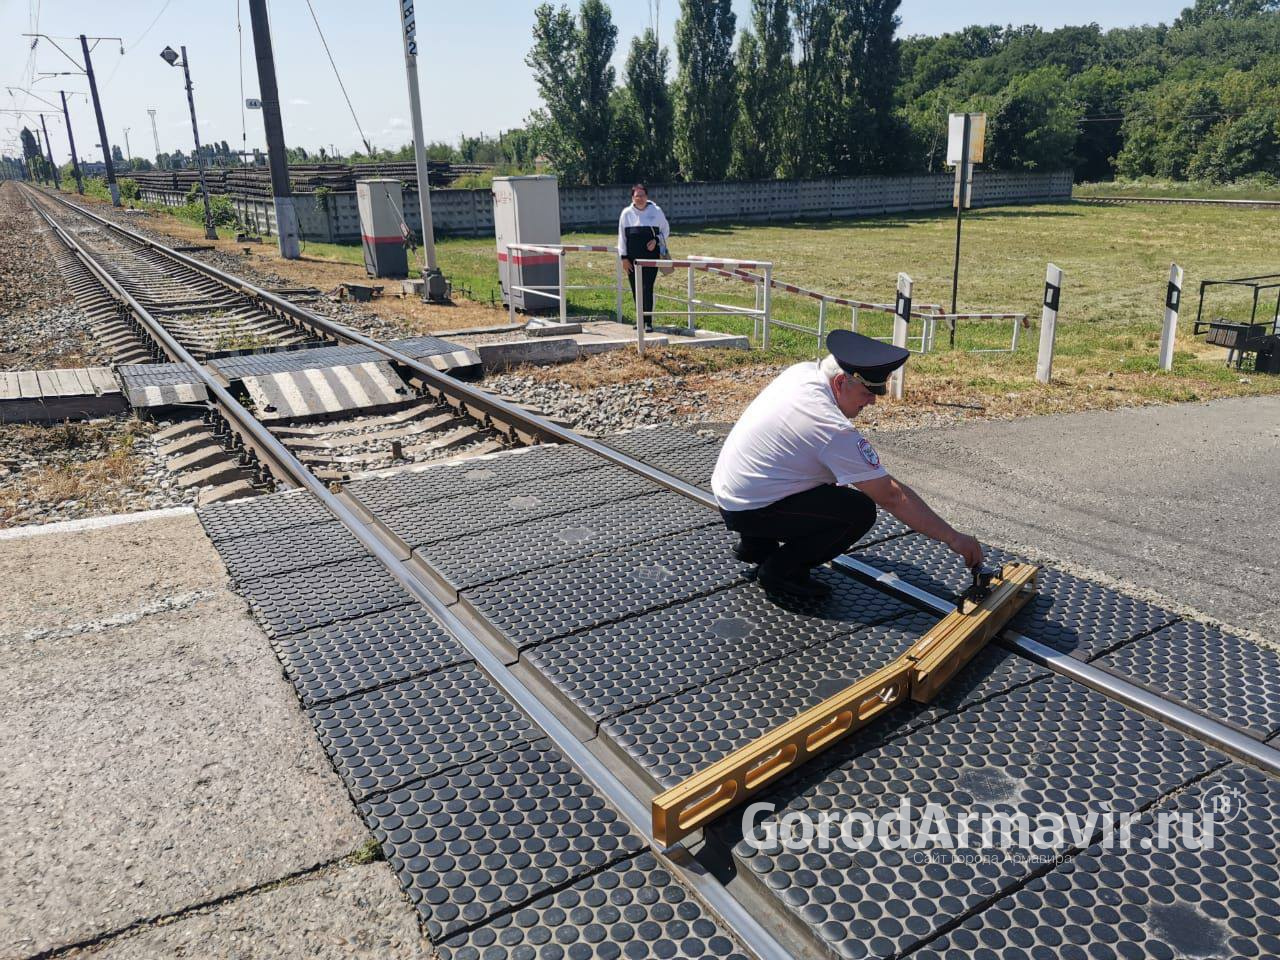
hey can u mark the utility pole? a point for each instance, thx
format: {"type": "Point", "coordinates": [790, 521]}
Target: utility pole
{"type": "Point", "coordinates": [434, 287]}
{"type": "Point", "coordinates": [71, 139]}
{"type": "Point", "coordinates": [128, 154]}
{"type": "Point", "coordinates": [48, 146]}
{"type": "Point", "coordinates": [154, 136]}
{"type": "Point", "coordinates": [102, 124]}
{"type": "Point", "coordinates": [171, 58]}
{"type": "Point", "coordinates": [286, 216]}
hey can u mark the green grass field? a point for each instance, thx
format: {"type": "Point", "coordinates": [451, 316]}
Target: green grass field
{"type": "Point", "coordinates": [1245, 190]}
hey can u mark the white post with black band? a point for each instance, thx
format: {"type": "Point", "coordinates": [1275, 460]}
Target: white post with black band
{"type": "Point", "coordinates": [1049, 323]}
{"type": "Point", "coordinates": [1172, 302]}
{"type": "Point", "coordinates": [901, 320]}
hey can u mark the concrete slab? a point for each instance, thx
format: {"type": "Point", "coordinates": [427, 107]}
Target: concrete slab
{"type": "Point", "coordinates": [71, 580]}
{"type": "Point", "coordinates": [335, 914]}
{"type": "Point", "coordinates": [152, 765]}
{"type": "Point", "coordinates": [1176, 499]}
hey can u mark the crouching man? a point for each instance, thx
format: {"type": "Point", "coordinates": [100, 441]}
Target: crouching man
{"type": "Point", "coordinates": [800, 484]}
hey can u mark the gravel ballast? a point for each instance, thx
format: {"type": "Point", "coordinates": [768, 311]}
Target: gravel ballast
{"type": "Point", "coordinates": [76, 470]}
{"type": "Point", "coordinates": [41, 325]}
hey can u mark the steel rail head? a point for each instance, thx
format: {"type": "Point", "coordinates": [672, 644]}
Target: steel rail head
{"type": "Point", "coordinates": [739, 919]}
{"type": "Point", "coordinates": [1206, 729]}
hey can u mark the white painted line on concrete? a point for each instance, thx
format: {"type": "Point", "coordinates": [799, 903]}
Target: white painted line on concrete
{"type": "Point", "coordinates": [93, 523]}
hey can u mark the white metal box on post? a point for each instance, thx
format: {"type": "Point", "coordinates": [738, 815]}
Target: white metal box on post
{"type": "Point", "coordinates": [527, 210]}
{"type": "Point", "coordinates": [381, 227]}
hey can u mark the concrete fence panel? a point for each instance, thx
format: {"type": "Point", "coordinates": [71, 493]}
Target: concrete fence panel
{"type": "Point", "coordinates": [333, 217]}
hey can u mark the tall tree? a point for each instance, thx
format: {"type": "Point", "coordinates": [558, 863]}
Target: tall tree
{"type": "Point", "coordinates": [763, 76]}
{"type": "Point", "coordinates": [863, 62]}
{"type": "Point", "coordinates": [705, 94]}
{"type": "Point", "coordinates": [647, 82]}
{"type": "Point", "coordinates": [808, 117]}
{"type": "Point", "coordinates": [570, 62]}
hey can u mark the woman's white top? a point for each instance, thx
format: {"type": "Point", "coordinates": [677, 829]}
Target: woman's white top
{"type": "Point", "coordinates": [650, 216]}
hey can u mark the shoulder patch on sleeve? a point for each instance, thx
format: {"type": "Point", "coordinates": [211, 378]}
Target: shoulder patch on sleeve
{"type": "Point", "coordinates": [868, 452]}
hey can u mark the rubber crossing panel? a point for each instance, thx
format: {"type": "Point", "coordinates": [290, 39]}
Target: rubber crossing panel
{"type": "Point", "coordinates": [267, 363]}
{"type": "Point", "coordinates": [693, 464]}
{"type": "Point", "coordinates": [1049, 747]}
{"type": "Point", "coordinates": [445, 355]}
{"type": "Point", "coordinates": [1136, 902]}
{"type": "Point", "coordinates": [306, 599]}
{"type": "Point", "coordinates": [470, 561]}
{"type": "Point", "coordinates": [382, 495]}
{"type": "Point", "coordinates": [1219, 674]}
{"type": "Point", "coordinates": [467, 514]}
{"type": "Point", "coordinates": [646, 442]}
{"type": "Point", "coordinates": [386, 738]}
{"type": "Point", "coordinates": [326, 390]}
{"type": "Point", "coordinates": [344, 658]}
{"type": "Point", "coordinates": [274, 552]}
{"type": "Point", "coordinates": [993, 672]}
{"type": "Point", "coordinates": [675, 738]}
{"type": "Point", "coordinates": [634, 909]}
{"type": "Point", "coordinates": [626, 666]}
{"type": "Point", "coordinates": [1069, 614]}
{"type": "Point", "coordinates": [534, 607]}
{"type": "Point", "coordinates": [276, 511]}
{"type": "Point", "coordinates": [160, 384]}
{"type": "Point", "coordinates": [488, 837]}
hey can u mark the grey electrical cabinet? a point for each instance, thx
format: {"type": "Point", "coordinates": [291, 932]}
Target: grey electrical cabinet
{"type": "Point", "coordinates": [381, 227]}
{"type": "Point", "coordinates": [526, 210]}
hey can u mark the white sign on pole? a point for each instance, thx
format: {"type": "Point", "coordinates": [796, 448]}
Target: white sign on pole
{"type": "Point", "coordinates": [253, 103]}
{"type": "Point", "coordinates": [1049, 323]}
{"type": "Point", "coordinates": [955, 137]}
{"type": "Point", "coordinates": [901, 319]}
{"type": "Point", "coordinates": [1172, 302]}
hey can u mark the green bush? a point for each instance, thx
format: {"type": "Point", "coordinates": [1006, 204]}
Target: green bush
{"type": "Point", "coordinates": [128, 188]}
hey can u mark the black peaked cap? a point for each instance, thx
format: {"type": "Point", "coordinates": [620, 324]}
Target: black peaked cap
{"type": "Point", "coordinates": [871, 361]}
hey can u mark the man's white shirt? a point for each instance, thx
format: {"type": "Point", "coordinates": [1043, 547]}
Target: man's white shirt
{"type": "Point", "coordinates": [650, 216]}
{"type": "Point", "coordinates": [791, 438]}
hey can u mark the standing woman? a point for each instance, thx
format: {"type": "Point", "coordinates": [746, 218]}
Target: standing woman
{"type": "Point", "coordinates": [642, 235]}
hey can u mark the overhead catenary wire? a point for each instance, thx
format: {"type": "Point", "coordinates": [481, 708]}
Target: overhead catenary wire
{"type": "Point", "coordinates": [341, 85]}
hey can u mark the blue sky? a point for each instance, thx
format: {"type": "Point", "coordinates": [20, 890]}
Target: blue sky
{"type": "Point", "coordinates": [471, 62]}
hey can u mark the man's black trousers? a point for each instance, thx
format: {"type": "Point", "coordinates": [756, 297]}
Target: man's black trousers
{"type": "Point", "coordinates": [813, 527]}
{"type": "Point", "coordinates": [649, 275]}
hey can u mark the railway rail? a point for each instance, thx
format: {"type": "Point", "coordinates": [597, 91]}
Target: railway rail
{"type": "Point", "coordinates": [508, 658]}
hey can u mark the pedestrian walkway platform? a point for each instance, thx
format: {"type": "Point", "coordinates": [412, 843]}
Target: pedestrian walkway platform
{"type": "Point", "coordinates": [47, 396]}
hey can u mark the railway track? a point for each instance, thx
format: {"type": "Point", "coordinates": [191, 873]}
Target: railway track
{"type": "Point", "coordinates": [508, 658]}
{"type": "Point", "coordinates": [344, 420]}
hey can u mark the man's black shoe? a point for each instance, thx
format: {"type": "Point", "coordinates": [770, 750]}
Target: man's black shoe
{"type": "Point", "coordinates": [803, 587]}
{"type": "Point", "coordinates": [755, 552]}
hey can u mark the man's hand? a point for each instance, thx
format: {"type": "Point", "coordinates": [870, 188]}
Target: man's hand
{"type": "Point", "coordinates": [967, 547]}
{"type": "Point", "coordinates": [626, 265]}
{"type": "Point", "coordinates": [652, 245]}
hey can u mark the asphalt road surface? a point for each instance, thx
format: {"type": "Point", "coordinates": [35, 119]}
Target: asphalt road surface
{"type": "Point", "coordinates": [1183, 500]}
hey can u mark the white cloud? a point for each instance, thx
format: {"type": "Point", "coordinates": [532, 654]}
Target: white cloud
{"type": "Point", "coordinates": [299, 102]}
{"type": "Point", "coordinates": [397, 122]}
